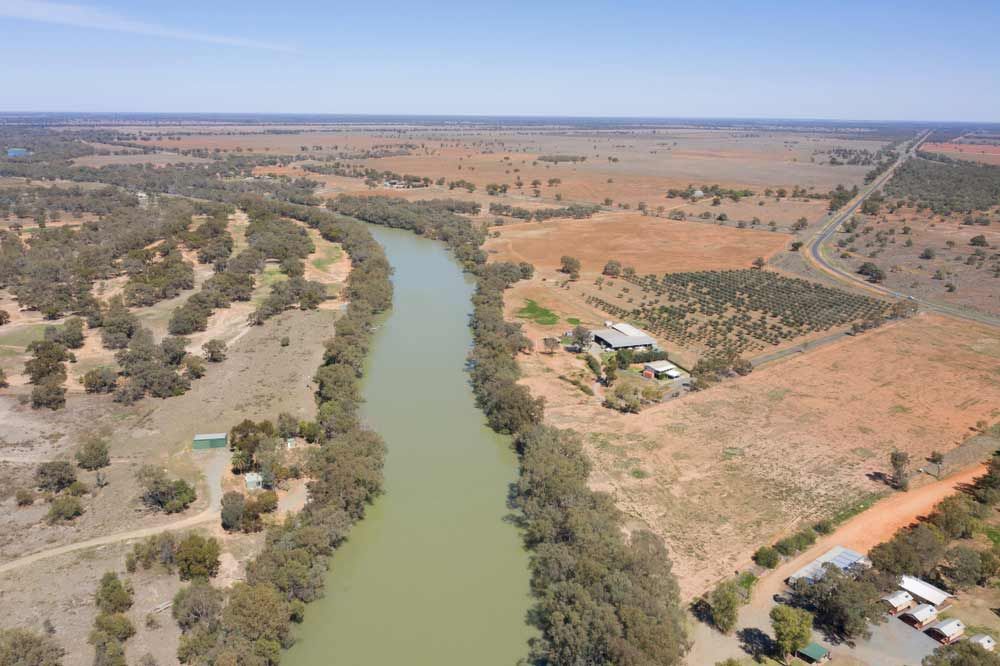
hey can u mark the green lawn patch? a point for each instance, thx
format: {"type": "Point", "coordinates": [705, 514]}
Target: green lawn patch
{"type": "Point", "coordinates": [573, 320]}
{"type": "Point", "coordinates": [537, 314]}
{"type": "Point", "coordinates": [23, 335]}
{"type": "Point", "coordinates": [328, 254]}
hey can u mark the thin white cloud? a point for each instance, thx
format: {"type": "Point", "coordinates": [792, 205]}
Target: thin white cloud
{"type": "Point", "coordinates": [82, 16]}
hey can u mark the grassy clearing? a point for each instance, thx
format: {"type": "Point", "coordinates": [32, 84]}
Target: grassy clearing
{"type": "Point", "coordinates": [328, 254]}
{"type": "Point", "coordinates": [538, 314]}
{"type": "Point", "coordinates": [22, 336]}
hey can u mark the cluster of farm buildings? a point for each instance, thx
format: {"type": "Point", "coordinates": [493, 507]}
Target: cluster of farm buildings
{"type": "Point", "coordinates": [915, 602]}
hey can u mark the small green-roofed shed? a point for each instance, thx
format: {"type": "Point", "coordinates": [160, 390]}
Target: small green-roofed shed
{"type": "Point", "coordinates": [213, 440]}
{"type": "Point", "coordinates": [815, 653]}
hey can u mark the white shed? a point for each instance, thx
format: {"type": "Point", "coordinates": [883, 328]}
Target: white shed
{"type": "Point", "coordinates": [921, 615]}
{"type": "Point", "coordinates": [948, 631]}
{"type": "Point", "coordinates": [898, 601]}
{"type": "Point", "coordinates": [254, 481]}
{"type": "Point", "coordinates": [984, 641]}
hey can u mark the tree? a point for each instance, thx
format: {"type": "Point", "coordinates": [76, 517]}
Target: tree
{"type": "Point", "coordinates": [962, 653]}
{"type": "Point", "coordinates": [979, 241]}
{"type": "Point", "coordinates": [113, 595]}
{"type": "Point", "coordinates": [3, 379]}
{"type": "Point", "coordinates": [55, 476]}
{"type": "Point", "coordinates": [581, 337]}
{"type": "Point", "coordinates": [257, 612]}
{"type": "Point", "coordinates": [215, 351]}
{"type": "Point", "coordinates": [4, 317]}
{"type": "Point", "coordinates": [198, 604]}
{"type": "Point", "coordinates": [159, 492]}
{"type": "Point", "coordinates": [758, 263]}
{"type": "Point", "coordinates": [197, 557]}
{"type": "Point", "coordinates": [551, 345]}
{"type": "Point", "coordinates": [93, 454]}
{"type": "Point", "coordinates": [900, 461]}
{"type": "Point", "coordinates": [21, 647]}
{"type": "Point", "coordinates": [571, 266]}
{"type": "Point", "coordinates": [792, 628]}
{"type": "Point", "coordinates": [725, 601]}
{"type": "Point", "coordinates": [612, 268]}
{"type": "Point", "coordinates": [233, 508]}
{"type": "Point", "coordinates": [100, 380]}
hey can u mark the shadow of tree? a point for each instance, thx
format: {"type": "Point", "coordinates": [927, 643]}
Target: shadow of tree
{"type": "Point", "coordinates": [756, 643]}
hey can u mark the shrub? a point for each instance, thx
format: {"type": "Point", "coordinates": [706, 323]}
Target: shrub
{"type": "Point", "coordinates": [197, 557]}
{"type": "Point", "coordinates": [766, 556]}
{"type": "Point", "coordinates": [113, 595]}
{"type": "Point", "coordinates": [116, 625]}
{"type": "Point", "coordinates": [20, 647]}
{"type": "Point", "coordinates": [215, 351]}
{"type": "Point", "coordinates": [93, 454]}
{"type": "Point", "coordinates": [24, 497]}
{"type": "Point", "coordinates": [55, 476]}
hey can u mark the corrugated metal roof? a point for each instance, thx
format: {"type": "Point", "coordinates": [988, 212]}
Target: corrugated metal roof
{"type": "Point", "coordinates": [814, 651]}
{"type": "Point", "coordinates": [985, 641]}
{"type": "Point", "coordinates": [922, 590]}
{"type": "Point", "coordinates": [898, 598]}
{"type": "Point", "coordinates": [212, 435]}
{"type": "Point", "coordinates": [661, 366]}
{"type": "Point", "coordinates": [949, 628]}
{"type": "Point", "coordinates": [617, 339]}
{"type": "Point", "coordinates": [838, 556]}
{"type": "Point", "coordinates": [922, 613]}
{"type": "Point", "coordinates": [628, 329]}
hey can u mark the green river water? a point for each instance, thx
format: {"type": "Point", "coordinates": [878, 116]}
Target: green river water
{"type": "Point", "coordinates": [433, 574]}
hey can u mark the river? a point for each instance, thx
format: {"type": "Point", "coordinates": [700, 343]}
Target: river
{"type": "Point", "coordinates": [433, 574]}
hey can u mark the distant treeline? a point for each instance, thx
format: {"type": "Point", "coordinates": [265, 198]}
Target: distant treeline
{"type": "Point", "coordinates": [601, 598]}
{"type": "Point", "coordinates": [576, 211]}
{"type": "Point", "coordinates": [946, 185]}
{"type": "Point", "coordinates": [556, 159]}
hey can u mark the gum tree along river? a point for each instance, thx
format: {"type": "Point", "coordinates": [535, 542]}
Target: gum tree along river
{"type": "Point", "coordinates": [434, 574]}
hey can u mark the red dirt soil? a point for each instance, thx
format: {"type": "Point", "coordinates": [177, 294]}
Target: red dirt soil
{"type": "Point", "coordinates": [648, 244]}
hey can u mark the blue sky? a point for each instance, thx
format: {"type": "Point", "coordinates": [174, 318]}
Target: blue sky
{"type": "Point", "coordinates": [859, 60]}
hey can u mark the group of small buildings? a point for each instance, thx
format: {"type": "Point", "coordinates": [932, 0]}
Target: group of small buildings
{"type": "Point", "coordinates": [916, 602]}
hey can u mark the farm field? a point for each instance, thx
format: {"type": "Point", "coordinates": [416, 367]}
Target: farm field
{"type": "Point", "coordinates": [988, 154]}
{"type": "Point", "coordinates": [648, 244]}
{"type": "Point", "coordinates": [733, 467]}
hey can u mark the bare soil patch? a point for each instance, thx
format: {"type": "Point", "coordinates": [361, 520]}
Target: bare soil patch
{"type": "Point", "coordinates": [721, 472]}
{"type": "Point", "coordinates": [648, 244]}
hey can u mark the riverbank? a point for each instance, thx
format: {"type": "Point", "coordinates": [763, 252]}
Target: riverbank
{"type": "Point", "coordinates": [435, 573]}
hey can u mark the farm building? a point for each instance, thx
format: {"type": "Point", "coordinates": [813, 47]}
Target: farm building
{"type": "Point", "coordinates": [17, 152]}
{"type": "Point", "coordinates": [920, 616]}
{"type": "Point", "coordinates": [814, 653]}
{"type": "Point", "coordinates": [661, 369]}
{"type": "Point", "coordinates": [984, 641]}
{"type": "Point", "coordinates": [214, 440]}
{"type": "Point", "coordinates": [898, 601]}
{"type": "Point", "coordinates": [254, 480]}
{"type": "Point", "coordinates": [843, 558]}
{"type": "Point", "coordinates": [924, 592]}
{"type": "Point", "coordinates": [947, 631]}
{"type": "Point", "coordinates": [622, 336]}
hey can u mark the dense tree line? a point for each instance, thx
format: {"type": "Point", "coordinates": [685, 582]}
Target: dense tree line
{"type": "Point", "coordinates": [946, 185]}
{"type": "Point", "coordinates": [600, 598]}
{"type": "Point", "coordinates": [252, 623]}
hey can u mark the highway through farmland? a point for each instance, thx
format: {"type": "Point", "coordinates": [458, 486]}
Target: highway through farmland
{"type": "Point", "coordinates": [816, 255]}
